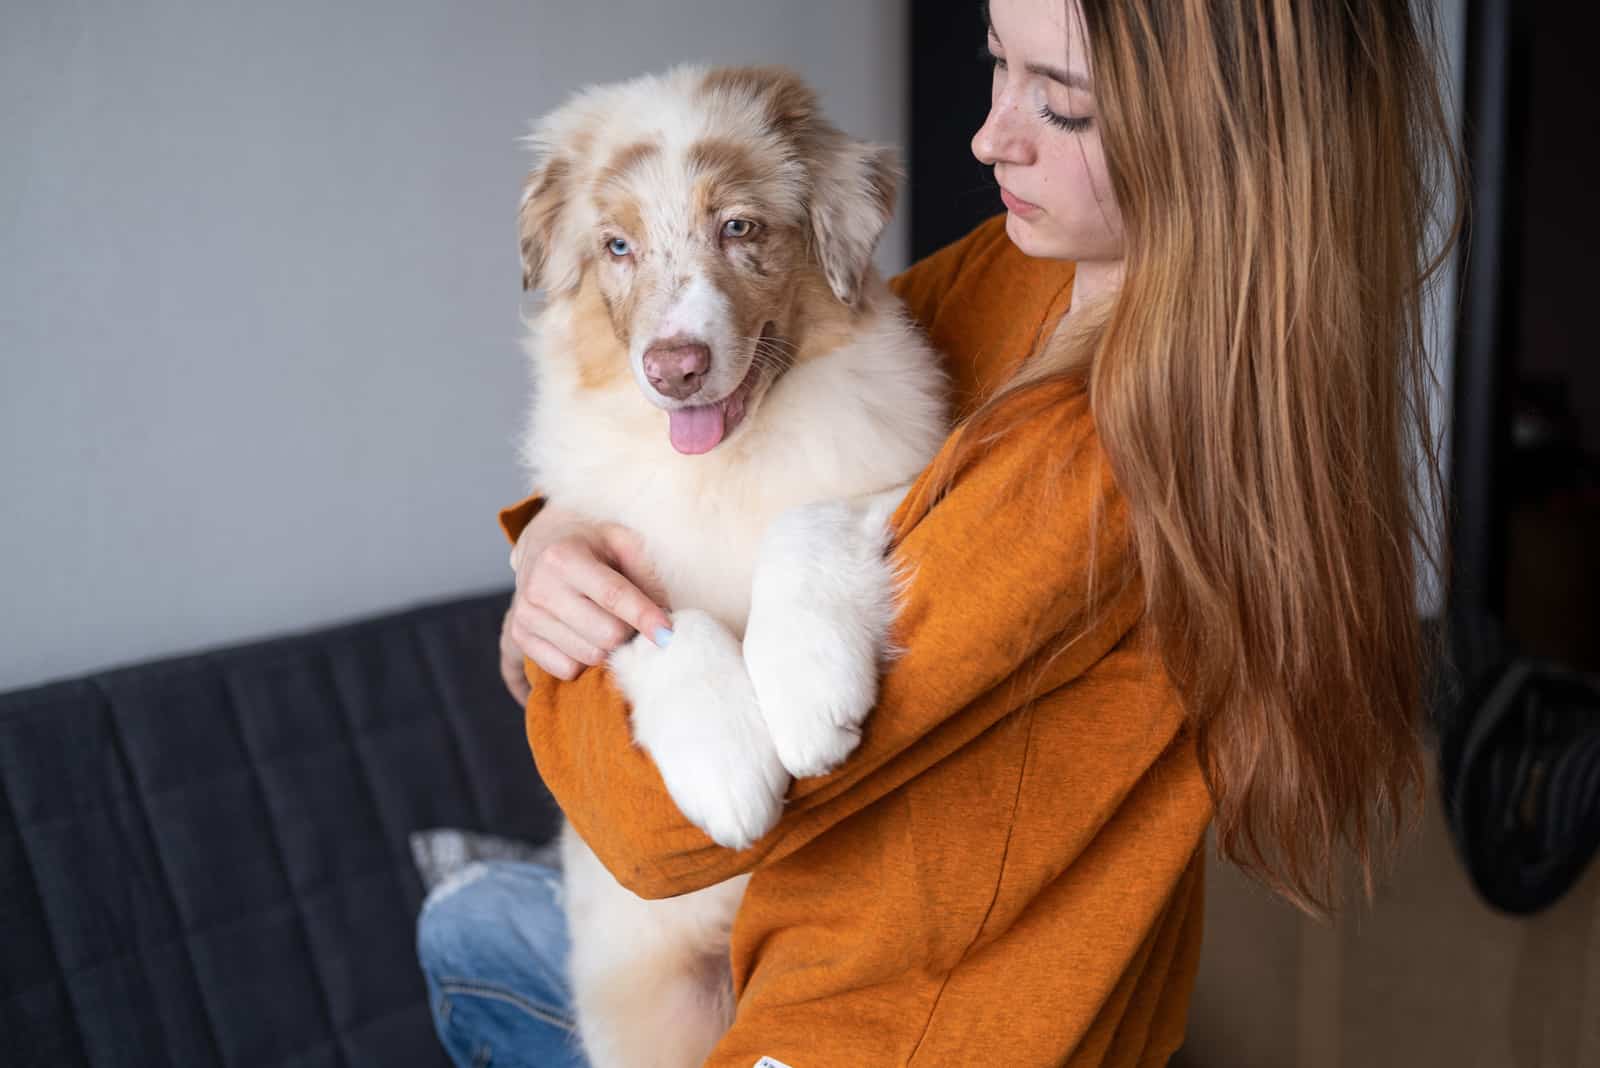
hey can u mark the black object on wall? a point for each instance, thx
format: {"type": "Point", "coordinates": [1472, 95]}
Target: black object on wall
{"type": "Point", "coordinates": [951, 192]}
{"type": "Point", "coordinates": [1519, 742]}
{"type": "Point", "coordinates": [1525, 472]}
{"type": "Point", "coordinates": [1486, 319]}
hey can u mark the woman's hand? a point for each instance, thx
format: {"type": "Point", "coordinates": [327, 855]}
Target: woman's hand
{"type": "Point", "coordinates": [583, 589]}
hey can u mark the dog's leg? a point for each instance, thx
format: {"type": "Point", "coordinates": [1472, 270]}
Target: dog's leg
{"type": "Point", "coordinates": [821, 606]}
{"type": "Point", "coordinates": [694, 712]}
{"type": "Point", "coordinates": [653, 1014]}
{"type": "Point", "coordinates": [650, 979]}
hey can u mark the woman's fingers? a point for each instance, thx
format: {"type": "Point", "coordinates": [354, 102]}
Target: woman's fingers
{"type": "Point", "coordinates": [534, 624]}
{"type": "Point", "coordinates": [574, 563]}
{"type": "Point", "coordinates": [528, 646]}
{"type": "Point", "coordinates": [512, 658]}
{"type": "Point", "coordinates": [552, 660]}
{"type": "Point", "coordinates": [641, 594]}
{"type": "Point", "coordinates": [591, 623]}
{"type": "Point", "coordinates": [574, 603]}
{"type": "Point", "coordinates": [617, 598]}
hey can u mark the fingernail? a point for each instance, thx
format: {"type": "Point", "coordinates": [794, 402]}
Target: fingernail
{"type": "Point", "coordinates": [662, 637]}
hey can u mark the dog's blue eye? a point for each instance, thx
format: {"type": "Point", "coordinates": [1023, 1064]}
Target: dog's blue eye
{"type": "Point", "coordinates": [737, 228]}
{"type": "Point", "coordinates": [618, 247]}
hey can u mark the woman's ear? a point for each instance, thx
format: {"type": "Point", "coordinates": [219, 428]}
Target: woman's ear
{"type": "Point", "coordinates": [549, 259]}
{"type": "Point", "coordinates": [853, 197]}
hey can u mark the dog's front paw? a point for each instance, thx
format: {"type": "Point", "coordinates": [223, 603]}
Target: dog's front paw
{"type": "Point", "coordinates": [814, 692]}
{"type": "Point", "coordinates": [820, 611]}
{"type": "Point", "coordinates": [694, 712]}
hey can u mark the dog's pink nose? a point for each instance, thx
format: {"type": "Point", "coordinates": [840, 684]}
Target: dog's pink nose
{"type": "Point", "coordinates": [677, 368]}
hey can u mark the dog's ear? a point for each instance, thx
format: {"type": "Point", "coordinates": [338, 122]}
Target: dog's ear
{"type": "Point", "coordinates": [852, 184]}
{"type": "Point", "coordinates": [853, 196]}
{"type": "Point", "coordinates": [548, 261]}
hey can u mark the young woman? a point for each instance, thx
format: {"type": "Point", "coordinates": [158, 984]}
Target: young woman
{"type": "Point", "coordinates": [1164, 573]}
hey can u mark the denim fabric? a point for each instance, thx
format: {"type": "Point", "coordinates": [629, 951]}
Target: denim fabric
{"type": "Point", "coordinates": [493, 946]}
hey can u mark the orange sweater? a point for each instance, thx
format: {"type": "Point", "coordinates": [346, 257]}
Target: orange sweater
{"type": "Point", "coordinates": [1008, 871]}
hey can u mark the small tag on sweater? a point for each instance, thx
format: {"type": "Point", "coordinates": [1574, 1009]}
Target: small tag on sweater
{"type": "Point", "coordinates": [769, 1062]}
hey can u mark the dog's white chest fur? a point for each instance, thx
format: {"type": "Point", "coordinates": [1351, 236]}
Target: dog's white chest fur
{"type": "Point", "coordinates": [856, 421]}
{"type": "Point", "coordinates": [859, 421]}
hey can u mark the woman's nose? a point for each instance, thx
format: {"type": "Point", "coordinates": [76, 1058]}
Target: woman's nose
{"type": "Point", "coordinates": [1003, 137]}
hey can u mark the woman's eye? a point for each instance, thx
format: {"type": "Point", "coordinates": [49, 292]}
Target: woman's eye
{"type": "Point", "coordinates": [618, 247]}
{"type": "Point", "coordinates": [737, 228]}
{"type": "Point", "coordinates": [1069, 123]}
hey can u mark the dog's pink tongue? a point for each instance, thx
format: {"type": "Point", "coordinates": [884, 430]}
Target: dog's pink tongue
{"type": "Point", "coordinates": [696, 430]}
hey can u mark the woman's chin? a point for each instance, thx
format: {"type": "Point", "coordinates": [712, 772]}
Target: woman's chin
{"type": "Point", "coordinates": [1027, 236]}
{"type": "Point", "coordinates": [1035, 238]}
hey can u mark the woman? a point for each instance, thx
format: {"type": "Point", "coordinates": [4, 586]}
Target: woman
{"type": "Point", "coordinates": [1163, 573]}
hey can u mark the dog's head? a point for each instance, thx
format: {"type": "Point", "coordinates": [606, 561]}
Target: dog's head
{"type": "Point", "coordinates": [701, 219]}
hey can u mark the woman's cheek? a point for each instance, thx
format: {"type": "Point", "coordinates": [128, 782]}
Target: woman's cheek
{"type": "Point", "coordinates": [1065, 189]}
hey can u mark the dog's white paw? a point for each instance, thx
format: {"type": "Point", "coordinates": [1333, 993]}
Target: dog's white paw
{"type": "Point", "coordinates": [694, 712]}
{"type": "Point", "coordinates": [821, 606]}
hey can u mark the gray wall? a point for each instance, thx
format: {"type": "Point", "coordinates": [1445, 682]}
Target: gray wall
{"type": "Point", "coordinates": [259, 295]}
{"type": "Point", "coordinates": [259, 292]}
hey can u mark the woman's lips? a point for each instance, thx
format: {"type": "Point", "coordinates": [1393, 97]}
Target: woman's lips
{"type": "Point", "coordinates": [1017, 206]}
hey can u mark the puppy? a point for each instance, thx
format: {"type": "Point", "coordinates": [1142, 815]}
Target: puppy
{"type": "Point", "coordinates": [718, 366]}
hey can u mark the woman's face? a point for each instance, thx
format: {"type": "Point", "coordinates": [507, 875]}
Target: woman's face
{"type": "Point", "coordinates": [1042, 135]}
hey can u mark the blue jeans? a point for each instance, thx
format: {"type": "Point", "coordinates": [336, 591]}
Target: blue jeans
{"type": "Point", "coordinates": [493, 946]}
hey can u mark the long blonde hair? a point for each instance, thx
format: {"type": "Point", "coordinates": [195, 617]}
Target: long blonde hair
{"type": "Point", "coordinates": [1261, 390]}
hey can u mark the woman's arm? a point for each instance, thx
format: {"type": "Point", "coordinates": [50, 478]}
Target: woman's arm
{"type": "Point", "coordinates": [1000, 577]}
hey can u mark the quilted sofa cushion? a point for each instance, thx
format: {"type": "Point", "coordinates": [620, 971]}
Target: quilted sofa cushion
{"type": "Point", "coordinates": [204, 861]}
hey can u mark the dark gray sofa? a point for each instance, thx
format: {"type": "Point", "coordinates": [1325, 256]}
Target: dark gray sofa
{"type": "Point", "coordinates": [204, 860]}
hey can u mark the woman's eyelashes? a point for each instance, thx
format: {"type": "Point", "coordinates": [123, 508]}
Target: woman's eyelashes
{"type": "Point", "coordinates": [1069, 123]}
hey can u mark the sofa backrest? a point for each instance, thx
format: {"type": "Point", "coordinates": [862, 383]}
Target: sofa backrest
{"type": "Point", "coordinates": [204, 860]}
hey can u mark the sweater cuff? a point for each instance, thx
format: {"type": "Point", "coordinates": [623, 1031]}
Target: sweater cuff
{"type": "Point", "coordinates": [519, 515]}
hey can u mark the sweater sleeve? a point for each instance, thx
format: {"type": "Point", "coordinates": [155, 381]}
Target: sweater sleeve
{"type": "Point", "coordinates": [996, 612]}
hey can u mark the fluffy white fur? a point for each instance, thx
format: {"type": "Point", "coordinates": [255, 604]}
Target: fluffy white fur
{"type": "Point", "coordinates": [775, 537]}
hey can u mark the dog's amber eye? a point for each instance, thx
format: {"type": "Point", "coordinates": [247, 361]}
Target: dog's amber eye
{"type": "Point", "coordinates": [738, 228]}
{"type": "Point", "coordinates": [618, 247]}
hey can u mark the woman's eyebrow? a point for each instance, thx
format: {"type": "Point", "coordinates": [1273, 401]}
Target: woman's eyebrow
{"type": "Point", "coordinates": [1070, 79]}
